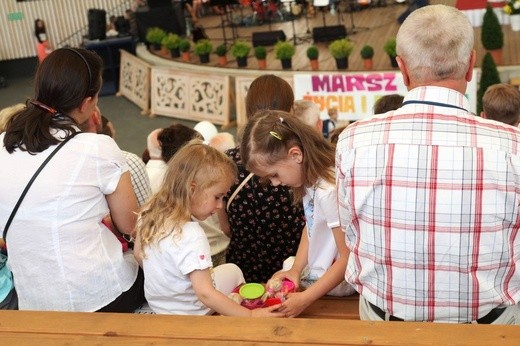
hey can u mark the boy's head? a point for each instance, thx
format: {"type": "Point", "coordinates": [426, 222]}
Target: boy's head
{"type": "Point", "coordinates": [501, 102]}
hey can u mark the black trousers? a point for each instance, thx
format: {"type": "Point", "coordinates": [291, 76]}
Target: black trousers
{"type": "Point", "coordinates": [129, 300]}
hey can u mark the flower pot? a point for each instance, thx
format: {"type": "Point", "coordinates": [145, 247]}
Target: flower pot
{"type": "Point", "coordinates": [368, 64]}
{"type": "Point", "coordinates": [186, 56]}
{"type": "Point", "coordinates": [262, 64]}
{"type": "Point", "coordinates": [222, 60]}
{"type": "Point", "coordinates": [204, 58]}
{"type": "Point", "coordinates": [341, 63]}
{"type": "Point", "coordinates": [286, 64]}
{"type": "Point", "coordinates": [242, 61]}
{"type": "Point", "coordinates": [496, 54]}
{"type": "Point", "coordinates": [315, 65]}
{"type": "Point", "coordinates": [393, 61]}
{"type": "Point", "coordinates": [175, 52]}
{"type": "Point", "coordinates": [515, 22]}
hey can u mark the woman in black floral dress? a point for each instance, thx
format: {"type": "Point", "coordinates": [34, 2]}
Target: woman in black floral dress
{"type": "Point", "coordinates": [265, 227]}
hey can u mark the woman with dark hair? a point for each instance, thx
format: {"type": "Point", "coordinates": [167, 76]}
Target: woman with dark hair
{"type": "Point", "coordinates": [60, 253]}
{"type": "Point", "coordinates": [43, 47]}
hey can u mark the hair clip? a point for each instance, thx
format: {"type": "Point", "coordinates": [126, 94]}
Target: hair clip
{"type": "Point", "coordinates": [276, 134]}
{"type": "Point", "coordinates": [281, 120]}
{"type": "Point", "coordinates": [43, 107]}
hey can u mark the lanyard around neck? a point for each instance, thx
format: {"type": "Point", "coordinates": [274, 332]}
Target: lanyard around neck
{"type": "Point", "coordinates": [432, 103]}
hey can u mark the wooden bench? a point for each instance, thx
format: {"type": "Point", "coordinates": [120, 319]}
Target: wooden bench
{"type": "Point", "coordinates": [58, 328]}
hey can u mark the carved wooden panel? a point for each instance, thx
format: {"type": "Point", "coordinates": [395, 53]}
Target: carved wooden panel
{"type": "Point", "coordinates": [134, 80]}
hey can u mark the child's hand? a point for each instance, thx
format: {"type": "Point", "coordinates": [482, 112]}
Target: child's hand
{"type": "Point", "coordinates": [294, 305]}
{"type": "Point", "coordinates": [291, 275]}
{"type": "Point", "coordinates": [271, 311]}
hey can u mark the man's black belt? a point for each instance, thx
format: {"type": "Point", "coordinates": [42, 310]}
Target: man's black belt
{"type": "Point", "coordinates": [488, 319]}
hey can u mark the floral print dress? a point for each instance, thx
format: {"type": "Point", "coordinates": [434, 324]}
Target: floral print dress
{"type": "Point", "coordinates": [265, 226]}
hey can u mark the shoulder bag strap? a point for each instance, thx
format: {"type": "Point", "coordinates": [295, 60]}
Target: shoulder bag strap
{"type": "Point", "coordinates": [237, 190]}
{"type": "Point", "coordinates": [11, 217]}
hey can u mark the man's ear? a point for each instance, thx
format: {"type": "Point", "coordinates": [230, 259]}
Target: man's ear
{"type": "Point", "coordinates": [483, 115]}
{"type": "Point", "coordinates": [404, 70]}
{"type": "Point", "coordinates": [295, 153]}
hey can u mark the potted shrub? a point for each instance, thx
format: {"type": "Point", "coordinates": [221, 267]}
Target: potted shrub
{"type": "Point", "coordinates": [240, 50]}
{"type": "Point", "coordinates": [203, 48]}
{"type": "Point", "coordinates": [284, 50]}
{"type": "Point", "coordinates": [488, 77]}
{"type": "Point", "coordinates": [171, 42]}
{"type": "Point", "coordinates": [184, 47]}
{"type": "Point", "coordinates": [340, 49]}
{"type": "Point", "coordinates": [367, 54]}
{"type": "Point", "coordinates": [313, 53]}
{"type": "Point", "coordinates": [390, 49]}
{"type": "Point", "coordinates": [154, 36]}
{"type": "Point", "coordinates": [261, 55]}
{"type": "Point", "coordinates": [492, 36]}
{"type": "Point", "coordinates": [221, 52]}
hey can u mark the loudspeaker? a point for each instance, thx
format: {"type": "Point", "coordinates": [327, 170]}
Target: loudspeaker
{"type": "Point", "coordinates": [159, 3]}
{"type": "Point", "coordinates": [268, 38]}
{"type": "Point", "coordinates": [157, 17]}
{"type": "Point", "coordinates": [328, 33]}
{"type": "Point", "coordinates": [97, 24]}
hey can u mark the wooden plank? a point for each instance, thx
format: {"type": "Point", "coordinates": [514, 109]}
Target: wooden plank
{"type": "Point", "coordinates": [261, 331]}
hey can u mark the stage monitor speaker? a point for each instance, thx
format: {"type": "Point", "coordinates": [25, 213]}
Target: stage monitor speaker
{"type": "Point", "coordinates": [328, 33]}
{"type": "Point", "coordinates": [159, 3]}
{"type": "Point", "coordinates": [268, 38]}
{"type": "Point", "coordinates": [157, 17]}
{"type": "Point", "coordinates": [97, 24]}
{"type": "Point", "coordinates": [415, 4]}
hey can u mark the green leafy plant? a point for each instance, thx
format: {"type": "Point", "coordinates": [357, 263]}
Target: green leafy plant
{"type": "Point", "coordinates": [155, 35]}
{"type": "Point", "coordinates": [390, 47]}
{"type": "Point", "coordinates": [489, 77]}
{"type": "Point", "coordinates": [341, 48]}
{"type": "Point", "coordinates": [260, 52]}
{"type": "Point", "coordinates": [284, 50]}
{"type": "Point", "coordinates": [184, 45]}
{"type": "Point", "coordinates": [171, 41]}
{"type": "Point", "coordinates": [312, 52]}
{"type": "Point", "coordinates": [367, 52]}
{"type": "Point", "coordinates": [221, 50]}
{"type": "Point", "coordinates": [240, 49]}
{"type": "Point", "coordinates": [492, 36]}
{"type": "Point", "coordinates": [202, 47]}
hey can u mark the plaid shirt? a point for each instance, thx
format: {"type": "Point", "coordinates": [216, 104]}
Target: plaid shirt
{"type": "Point", "coordinates": [429, 200]}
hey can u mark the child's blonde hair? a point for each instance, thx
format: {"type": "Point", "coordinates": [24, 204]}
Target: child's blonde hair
{"type": "Point", "coordinates": [194, 168]}
{"type": "Point", "coordinates": [269, 135]}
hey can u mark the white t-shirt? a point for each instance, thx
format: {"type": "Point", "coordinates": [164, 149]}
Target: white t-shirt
{"type": "Point", "coordinates": [321, 213]}
{"type": "Point", "coordinates": [61, 255]}
{"type": "Point", "coordinates": [156, 170]}
{"type": "Point", "coordinates": [166, 267]}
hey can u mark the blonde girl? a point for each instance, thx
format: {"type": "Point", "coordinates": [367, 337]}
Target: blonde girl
{"type": "Point", "coordinates": [279, 147]}
{"type": "Point", "coordinates": [173, 249]}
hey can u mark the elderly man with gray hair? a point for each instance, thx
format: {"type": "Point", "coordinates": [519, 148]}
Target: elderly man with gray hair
{"type": "Point", "coordinates": [429, 193]}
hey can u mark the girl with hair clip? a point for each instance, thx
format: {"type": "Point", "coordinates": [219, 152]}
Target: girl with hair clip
{"type": "Point", "coordinates": [61, 255]}
{"type": "Point", "coordinates": [174, 250]}
{"type": "Point", "coordinates": [279, 147]}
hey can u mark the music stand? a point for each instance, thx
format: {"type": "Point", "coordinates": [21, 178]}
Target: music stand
{"type": "Point", "coordinates": [354, 29]}
{"type": "Point", "coordinates": [321, 4]}
{"type": "Point", "coordinates": [225, 18]}
{"type": "Point", "coordinates": [295, 37]}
